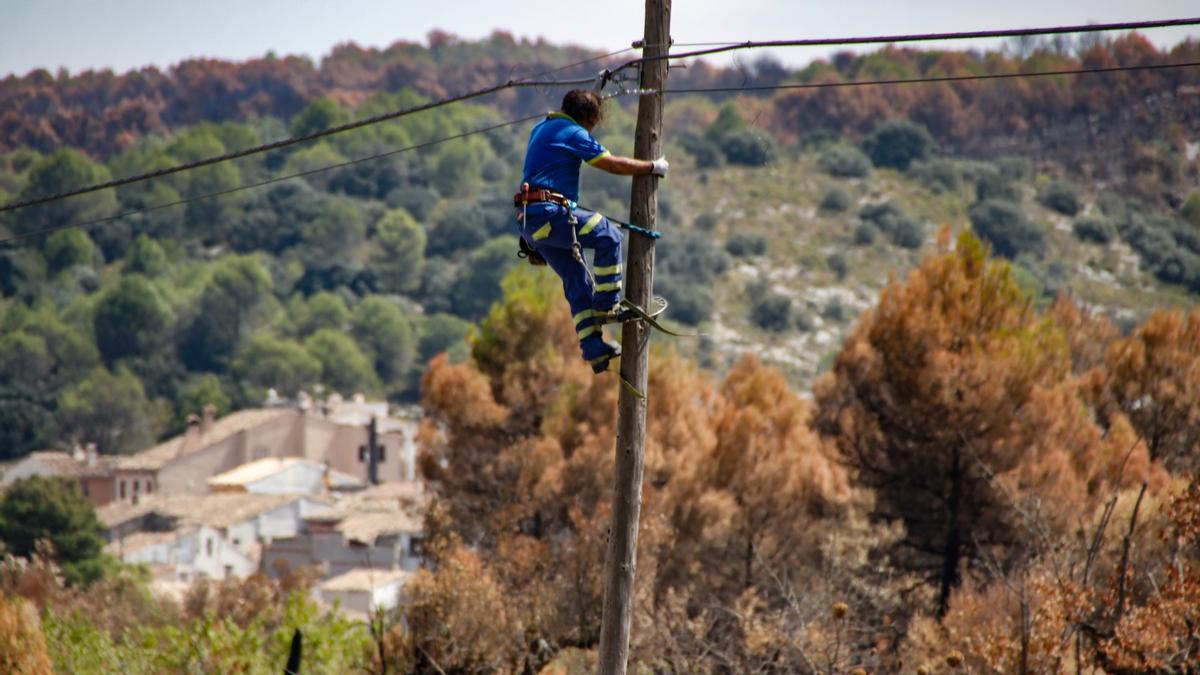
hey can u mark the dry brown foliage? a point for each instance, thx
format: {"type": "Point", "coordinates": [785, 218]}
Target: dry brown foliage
{"type": "Point", "coordinates": [961, 456]}
{"type": "Point", "coordinates": [1130, 603]}
{"type": "Point", "coordinates": [115, 604]}
{"type": "Point", "coordinates": [959, 404]}
{"type": "Point", "coordinates": [1153, 378]}
{"type": "Point", "coordinates": [22, 645]}
{"type": "Point", "coordinates": [737, 487]}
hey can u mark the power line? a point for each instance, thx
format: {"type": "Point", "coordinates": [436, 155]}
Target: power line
{"type": "Point", "coordinates": [920, 37]}
{"type": "Point", "coordinates": [289, 141]}
{"type": "Point", "coordinates": [278, 179]}
{"type": "Point", "coordinates": [528, 81]}
{"type": "Point", "coordinates": [583, 62]}
{"type": "Point", "coordinates": [929, 80]}
{"type": "Point", "coordinates": [533, 83]}
{"type": "Point", "coordinates": [810, 85]}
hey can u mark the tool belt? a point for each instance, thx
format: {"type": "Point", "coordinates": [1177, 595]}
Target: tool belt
{"type": "Point", "coordinates": [531, 195]}
{"type": "Point", "coordinates": [526, 196]}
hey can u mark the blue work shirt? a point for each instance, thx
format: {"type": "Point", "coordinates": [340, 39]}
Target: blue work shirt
{"type": "Point", "coordinates": [557, 145]}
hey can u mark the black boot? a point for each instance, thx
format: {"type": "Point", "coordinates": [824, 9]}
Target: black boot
{"type": "Point", "coordinates": [600, 363]}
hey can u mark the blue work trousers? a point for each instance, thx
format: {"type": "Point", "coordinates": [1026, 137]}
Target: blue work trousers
{"type": "Point", "coordinates": [547, 228]}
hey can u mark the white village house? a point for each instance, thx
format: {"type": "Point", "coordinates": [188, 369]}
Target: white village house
{"type": "Point", "coordinates": [218, 535]}
{"type": "Point", "coordinates": [283, 476]}
{"type": "Point", "coordinates": [329, 484]}
{"type": "Point", "coordinates": [380, 528]}
{"type": "Point", "coordinates": [93, 471]}
{"type": "Point", "coordinates": [361, 591]}
{"type": "Point", "coordinates": [335, 433]}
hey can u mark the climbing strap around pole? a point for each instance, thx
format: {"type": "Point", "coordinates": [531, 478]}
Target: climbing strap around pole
{"type": "Point", "coordinates": [630, 388]}
{"type": "Point", "coordinates": [653, 234]}
{"type": "Point", "coordinates": [642, 315]}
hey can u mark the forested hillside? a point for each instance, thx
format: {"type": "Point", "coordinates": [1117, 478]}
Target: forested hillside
{"type": "Point", "coordinates": [352, 278]}
{"type": "Point", "coordinates": [965, 439]}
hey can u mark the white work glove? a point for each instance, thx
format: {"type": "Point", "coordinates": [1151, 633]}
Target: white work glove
{"type": "Point", "coordinates": [659, 167]}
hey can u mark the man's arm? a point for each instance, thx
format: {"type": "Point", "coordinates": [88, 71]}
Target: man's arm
{"type": "Point", "coordinates": [628, 166]}
{"type": "Point", "coordinates": [624, 166]}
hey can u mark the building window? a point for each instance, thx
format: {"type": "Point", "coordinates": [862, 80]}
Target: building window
{"type": "Point", "coordinates": [237, 541]}
{"type": "Point", "coordinates": [84, 485]}
{"type": "Point", "coordinates": [228, 571]}
{"type": "Point", "coordinates": [382, 453]}
{"type": "Point", "coordinates": [414, 546]}
{"type": "Point", "coordinates": [122, 490]}
{"type": "Point", "coordinates": [208, 547]}
{"type": "Point", "coordinates": [137, 486]}
{"type": "Point", "coordinates": [362, 453]}
{"type": "Point", "coordinates": [149, 487]}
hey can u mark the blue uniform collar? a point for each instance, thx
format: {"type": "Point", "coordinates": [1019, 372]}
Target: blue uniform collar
{"type": "Point", "coordinates": [561, 115]}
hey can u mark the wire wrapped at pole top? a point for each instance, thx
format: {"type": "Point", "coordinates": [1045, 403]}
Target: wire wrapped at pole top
{"type": "Point", "coordinates": [602, 79]}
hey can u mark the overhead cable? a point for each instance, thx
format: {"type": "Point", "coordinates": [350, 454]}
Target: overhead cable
{"type": "Point", "coordinates": [278, 179]}
{"type": "Point", "coordinates": [927, 80]}
{"type": "Point", "coordinates": [265, 147]}
{"type": "Point", "coordinates": [811, 85]}
{"type": "Point", "coordinates": [583, 62]}
{"type": "Point", "coordinates": [534, 83]}
{"type": "Point", "coordinates": [919, 37]}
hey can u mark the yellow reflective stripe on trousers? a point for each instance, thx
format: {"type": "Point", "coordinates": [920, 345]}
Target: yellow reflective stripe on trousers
{"type": "Point", "coordinates": [611, 286]}
{"type": "Point", "coordinates": [542, 232]}
{"type": "Point", "coordinates": [605, 271]}
{"type": "Point", "coordinates": [585, 314]}
{"type": "Point", "coordinates": [588, 331]}
{"type": "Point", "coordinates": [590, 224]}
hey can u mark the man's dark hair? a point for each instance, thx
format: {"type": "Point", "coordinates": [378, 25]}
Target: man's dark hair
{"type": "Point", "coordinates": [583, 105]}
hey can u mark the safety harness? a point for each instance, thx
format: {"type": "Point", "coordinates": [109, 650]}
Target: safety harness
{"type": "Point", "coordinates": [530, 195]}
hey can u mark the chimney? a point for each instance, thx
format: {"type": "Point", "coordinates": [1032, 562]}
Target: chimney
{"type": "Point", "coordinates": [193, 425]}
{"type": "Point", "coordinates": [372, 453]}
{"type": "Point", "coordinates": [77, 453]}
{"type": "Point", "coordinates": [89, 454]}
{"type": "Point", "coordinates": [206, 423]}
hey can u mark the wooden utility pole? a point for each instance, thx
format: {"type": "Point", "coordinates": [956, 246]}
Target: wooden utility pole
{"type": "Point", "coordinates": [621, 563]}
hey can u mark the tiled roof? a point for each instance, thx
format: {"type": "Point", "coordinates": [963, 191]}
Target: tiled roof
{"type": "Point", "coordinates": [217, 510]}
{"type": "Point", "coordinates": [361, 518]}
{"type": "Point", "coordinates": [369, 526]}
{"type": "Point", "coordinates": [63, 464]}
{"type": "Point", "coordinates": [266, 467]}
{"type": "Point", "coordinates": [403, 491]}
{"type": "Point", "coordinates": [186, 444]}
{"type": "Point", "coordinates": [139, 540]}
{"type": "Point", "coordinates": [363, 579]}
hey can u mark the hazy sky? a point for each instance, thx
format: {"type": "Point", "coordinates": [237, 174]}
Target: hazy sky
{"type": "Point", "coordinates": [125, 34]}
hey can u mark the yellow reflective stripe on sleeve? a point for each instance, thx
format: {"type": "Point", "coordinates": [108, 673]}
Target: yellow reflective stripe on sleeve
{"type": "Point", "coordinates": [612, 286]}
{"type": "Point", "coordinates": [585, 314]}
{"type": "Point", "coordinates": [611, 269]}
{"type": "Point", "coordinates": [598, 359]}
{"type": "Point", "coordinates": [588, 331]}
{"type": "Point", "coordinates": [542, 232]}
{"type": "Point", "coordinates": [599, 157]}
{"type": "Point", "coordinates": [591, 223]}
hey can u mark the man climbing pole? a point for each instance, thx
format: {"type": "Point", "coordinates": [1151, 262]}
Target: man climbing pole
{"type": "Point", "coordinates": [555, 230]}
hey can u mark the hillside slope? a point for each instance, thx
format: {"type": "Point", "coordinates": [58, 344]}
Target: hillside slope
{"type": "Point", "coordinates": [800, 268]}
{"type": "Point", "coordinates": [785, 214]}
